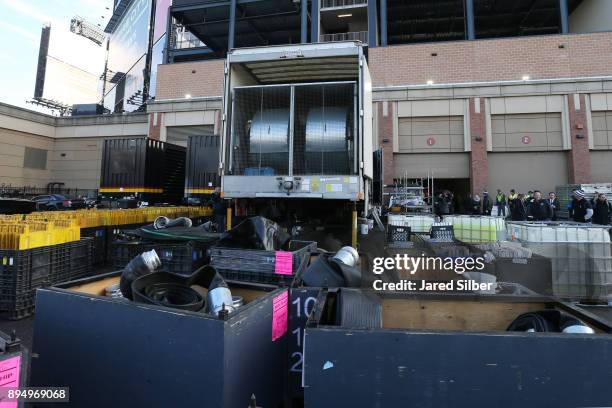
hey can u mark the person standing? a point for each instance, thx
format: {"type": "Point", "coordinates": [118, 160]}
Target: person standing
{"type": "Point", "coordinates": [580, 209]}
{"type": "Point", "coordinates": [553, 202]}
{"type": "Point", "coordinates": [538, 209]}
{"type": "Point", "coordinates": [512, 199]}
{"type": "Point", "coordinates": [602, 210]}
{"type": "Point", "coordinates": [475, 206]}
{"type": "Point", "coordinates": [500, 202]}
{"type": "Point", "coordinates": [519, 210]}
{"type": "Point", "coordinates": [486, 203]}
{"type": "Point", "coordinates": [467, 204]}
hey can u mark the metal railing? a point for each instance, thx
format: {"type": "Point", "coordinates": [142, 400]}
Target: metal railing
{"type": "Point", "coordinates": [350, 36]}
{"type": "Point", "coordinates": [342, 3]}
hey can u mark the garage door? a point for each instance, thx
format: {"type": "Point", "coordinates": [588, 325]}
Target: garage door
{"type": "Point", "coordinates": [601, 166]}
{"type": "Point", "coordinates": [431, 134]}
{"type": "Point", "coordinates": [526, 171]}
{"type": "Point", "coordinates": [442, 165]}
{"type": "Point", "coordinates": [521, 132]}
{"type": "Point", "coordinates": [179, 134]}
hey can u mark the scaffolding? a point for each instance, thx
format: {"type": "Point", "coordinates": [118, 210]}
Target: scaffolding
{"type": "Point", "coordinates": [411, 195]}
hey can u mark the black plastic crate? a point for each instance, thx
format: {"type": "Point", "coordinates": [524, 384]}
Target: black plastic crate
{"type": "Point", "coordinates": [74, 260]}
{"type": "Point", "coordinates": [259, 266]}
{"type": "Point", "coordinates": [177, 257]}
{"type": "Point", "coordinates": [99, 235]}
{"type": "Point", "coordinates": [22, 308]}
{"type": "Point", "coordinates": [114, 233]}
{"type": "Point", "coordinates": [396, 233]}
{"type": "Point", "coordinates": [22, 272]}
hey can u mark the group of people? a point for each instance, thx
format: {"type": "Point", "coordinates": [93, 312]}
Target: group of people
{"type": "Point", "coordinates": [531, 206]}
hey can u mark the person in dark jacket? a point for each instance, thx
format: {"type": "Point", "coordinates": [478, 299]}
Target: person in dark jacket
{"type": "Point", "coordinates": [580, 209]}
{"type": "Point", "coordinates": [487, 206]}
{"type": "Point", "coordinates": [466, 204]}
{"type": "Point", "coordinates": [475, 206]}
{"type": "Point", "coordinates": [443, 204]}
{"type": "Point", "coordinates": [519, 211]}
{"type": "Point", "coordinates": [512, 199]}
{"type": "Point", "coordinates": [219, 209]}
{"type": "Point", "coordinates": [602, 210]}
{"type": "Point", "coordinates": [553, 202]}
{"type": "Point", "coordinates": [538, 209]}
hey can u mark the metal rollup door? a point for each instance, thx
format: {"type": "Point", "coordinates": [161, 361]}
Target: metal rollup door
{"type": "Point", "coordinates": [327, 140]}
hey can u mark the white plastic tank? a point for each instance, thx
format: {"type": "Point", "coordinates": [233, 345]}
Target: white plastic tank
{"type": "Point", "coordinates": [418, 223]}
{"type": "Point", "coordinates": [580, 255]}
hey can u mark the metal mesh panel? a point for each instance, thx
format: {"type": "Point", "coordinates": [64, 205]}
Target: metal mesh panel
{"type": "Point", "coordinates": [260, 129]}
{"type": "Point", "coordinates": [324, 129]}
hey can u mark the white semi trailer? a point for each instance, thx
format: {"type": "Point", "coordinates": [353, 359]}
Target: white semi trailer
{"type": "Point", "coordinates": [297, 130]}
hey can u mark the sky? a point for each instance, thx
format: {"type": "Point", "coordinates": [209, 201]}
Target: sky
{"type": "Point", "coordinates": [21, 22]}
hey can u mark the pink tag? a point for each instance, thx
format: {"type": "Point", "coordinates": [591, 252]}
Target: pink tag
{"type": "Point", "coordinates": [283, 264]}
{"type": "Point", "coordinates": [280, 313]}
{"type": "Point", "coordinates": [10, 371]}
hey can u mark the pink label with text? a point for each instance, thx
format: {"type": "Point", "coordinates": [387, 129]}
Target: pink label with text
{"type": "Point", "coordinates": [283, 263]}
{"type": "Point", "coordinates": [10, 371]}
{"type": "Point", "coordinates": [280, 314]}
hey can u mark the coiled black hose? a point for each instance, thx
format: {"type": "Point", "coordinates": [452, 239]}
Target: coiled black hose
{"type": "Point", "coordinates": [549, 321]}
{"type": "Point", "coordinates": [176, 295]}
{"type": "Point", "coordinates": [172, 290]}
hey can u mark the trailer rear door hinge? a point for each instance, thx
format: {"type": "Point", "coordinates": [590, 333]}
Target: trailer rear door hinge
{"type": "Point", "coordinates": [361, 165]}
{"type": "Point", "coordinates": [361, 112]}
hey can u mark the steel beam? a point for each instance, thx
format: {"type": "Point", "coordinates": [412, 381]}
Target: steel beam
{"type": "Point", "coordinates": [232, 25]}
{"type": "Point", "coordinates": [314, 21]}
{"type": "Point", "coordinates": [469, 18]}
{"type": "Point", "coordinates": [304, 22]}
{"type": "Point", "coordinates": [564, 16]}
{"type": "Point", "coordinates": [372, 26]}
{"type": "Point", "coordinates": [383, 23]}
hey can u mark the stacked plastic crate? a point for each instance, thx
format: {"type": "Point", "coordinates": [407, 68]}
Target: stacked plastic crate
{"type": "Point", "coordinates": [31, 258]}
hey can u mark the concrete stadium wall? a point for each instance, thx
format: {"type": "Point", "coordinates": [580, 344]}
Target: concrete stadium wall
{"type": "Point", "coordinates": [12, 151]}
{"type": "Point", "coordinates": [73, 145]}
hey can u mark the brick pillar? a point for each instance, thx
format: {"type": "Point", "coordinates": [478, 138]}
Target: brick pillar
{"type": "Point", "coordinates": [155, 125]}
{"type": "Point", "coordinates": [385, 138]}
{"type": "Point", "coordinates": [479, 165]}
{"type": "Point", "coordinates": [579, 157]}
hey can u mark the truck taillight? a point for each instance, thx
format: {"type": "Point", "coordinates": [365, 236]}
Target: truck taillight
{"type": "Point", "coordinates": [67, 203]}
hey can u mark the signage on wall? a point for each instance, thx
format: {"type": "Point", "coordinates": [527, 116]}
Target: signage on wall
{"type": "Point", "coordinates": [526, 139]}
{"type": "Point", "coordinates": [431, 141]}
